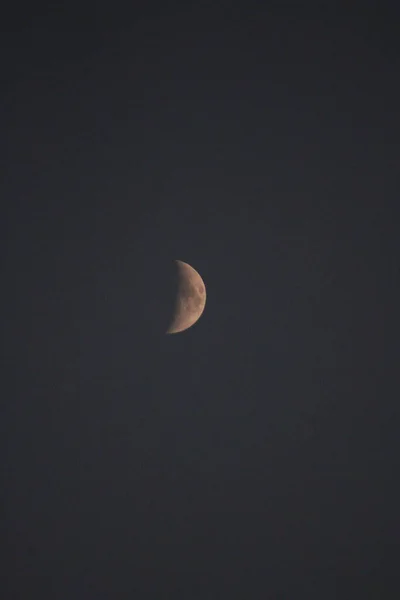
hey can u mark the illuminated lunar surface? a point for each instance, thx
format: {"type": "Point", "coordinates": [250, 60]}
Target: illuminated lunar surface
{"type": "Point", "coordinates": [190, 301]}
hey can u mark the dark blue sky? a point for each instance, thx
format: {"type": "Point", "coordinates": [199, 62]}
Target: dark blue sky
{"type": "Point", "coordinates": [255, 455]}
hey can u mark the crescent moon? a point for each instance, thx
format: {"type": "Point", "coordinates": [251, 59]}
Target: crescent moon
{"type": "Point", "coordinates": [191, 298]}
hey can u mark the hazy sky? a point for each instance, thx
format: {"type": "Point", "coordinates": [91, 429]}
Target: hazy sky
{"type": "Point", "coordinates": [255, 455]}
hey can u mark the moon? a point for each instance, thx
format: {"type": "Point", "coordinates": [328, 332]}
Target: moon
{"type": "Point", "coordinates": [190, 300]}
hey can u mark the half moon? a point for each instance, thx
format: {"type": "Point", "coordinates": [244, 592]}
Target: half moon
{"type": "Point", "coordinates": [191, 298]}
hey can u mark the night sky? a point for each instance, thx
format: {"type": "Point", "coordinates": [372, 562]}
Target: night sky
{"type": "Point", "coordinates": [256, 455]}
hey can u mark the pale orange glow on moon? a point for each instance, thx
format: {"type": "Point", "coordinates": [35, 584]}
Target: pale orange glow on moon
{"type": "Point", "coordinates": [191, 299]}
